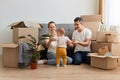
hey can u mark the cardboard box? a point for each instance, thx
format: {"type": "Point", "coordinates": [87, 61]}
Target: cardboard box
{"type": "Point", "coordinates": [103, 62]}
{"type": "Point", "coordinates": [92, 22]}
{"type": "Point", "coordinates": [94, 18]}
{"type": "Point", "coordinates": [101, 36]}
{"type": "Point", "coordinates": [24, 32]}
{"type": "Point", "coordinates": [10, 55]}
{"type": "Point", "coordinates": [118, 61]}
{"type": "Point", "coordinates": [113, 47]}
{"type": "Point", "coordinates": [93, 26]}
{"type": "Point", "coordinates": [113, 37]}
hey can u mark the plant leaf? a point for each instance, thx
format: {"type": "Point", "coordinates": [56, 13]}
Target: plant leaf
{"type": "Point", "coordinates": [21, 37]}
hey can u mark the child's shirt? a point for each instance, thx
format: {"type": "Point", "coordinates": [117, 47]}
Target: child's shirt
{"type": "Point", "coordinates": [62, 41]}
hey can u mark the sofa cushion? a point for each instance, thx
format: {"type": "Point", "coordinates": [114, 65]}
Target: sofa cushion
{"type": "Point", "coordinates": [69, 28]}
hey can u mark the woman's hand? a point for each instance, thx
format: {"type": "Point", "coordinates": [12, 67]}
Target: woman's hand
{"type": "Point", "coordinates": [49, 41]}
{"type": "Point", "coordinates": [52, 39]}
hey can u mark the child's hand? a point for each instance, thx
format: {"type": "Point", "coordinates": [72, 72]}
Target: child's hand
{"type": "Point", "coordinates": [75, 42]}
{"type": "Point", "coordinates": [70, 43]}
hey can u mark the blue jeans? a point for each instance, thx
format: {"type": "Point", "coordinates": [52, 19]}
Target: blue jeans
{"type": "Point", "coordinates": [81, 57]}
{"type": "Point", "coordinates": [52, 59]}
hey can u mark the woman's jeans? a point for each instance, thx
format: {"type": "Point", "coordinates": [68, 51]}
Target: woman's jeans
{"type": "Point", "coordinates": [52, 59]}
{"type": "Point", "coordinates": [81, 57]}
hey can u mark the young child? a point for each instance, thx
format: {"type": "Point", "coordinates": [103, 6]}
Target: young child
{"type": "Point", "coordinates": [62, 42]}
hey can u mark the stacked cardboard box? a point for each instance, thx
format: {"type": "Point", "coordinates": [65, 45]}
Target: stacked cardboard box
{"type": "Point", "coordinates": [92, 22]}
{"type": "Point", "coordinates": [100, 40]}
{"type": "Point", "coordinates": [108, 36]}
{"type": "Point", "coordinates": [92, 18]}
{"type": "Point", "coordinates": [10, 51]}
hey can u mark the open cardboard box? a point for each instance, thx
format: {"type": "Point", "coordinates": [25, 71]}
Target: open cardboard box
{"type": "Point", "coordinates": [103, 62]}
{"type": "Point", "coordinates": [113, 47]}
{"type": "Point", "coordinates": [24, 32]}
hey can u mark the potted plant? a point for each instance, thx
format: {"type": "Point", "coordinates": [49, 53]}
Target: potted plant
{"type": "Point", "coordinates": [35, 48]}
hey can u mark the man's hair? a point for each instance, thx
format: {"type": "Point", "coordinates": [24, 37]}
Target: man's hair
{"type": "Point", "coordinates": [78, 19]}
{"type": "Point", "coordinates": [50, 23]}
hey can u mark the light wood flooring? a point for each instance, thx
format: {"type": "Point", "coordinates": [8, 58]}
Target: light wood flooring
{"type": "Point", "coordinates": [51, 72]}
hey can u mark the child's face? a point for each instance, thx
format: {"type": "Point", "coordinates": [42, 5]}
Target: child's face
{"type": "Point", "coordinates": [59, 34]}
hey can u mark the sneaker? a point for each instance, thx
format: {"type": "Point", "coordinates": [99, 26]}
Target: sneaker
{"type": "Point", "coordinates": [64, 65]}
{"type": "Point", "coordinates": [58, 65]}
{"type": "Point", "coordinates": [41, 62]}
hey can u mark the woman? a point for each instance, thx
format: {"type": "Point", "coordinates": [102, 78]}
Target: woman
{"type": "Point", "coordinates": [51, 45]}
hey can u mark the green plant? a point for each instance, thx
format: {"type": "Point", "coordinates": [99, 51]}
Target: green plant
{"type": "Point", "coordinates": [34, 50]}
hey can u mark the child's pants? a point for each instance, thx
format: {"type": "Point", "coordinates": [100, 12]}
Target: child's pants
{"type": "Point", "coordinates": [61, 53]}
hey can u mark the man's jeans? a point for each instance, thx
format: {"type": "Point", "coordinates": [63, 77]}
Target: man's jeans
{"type": "Point", "coordinates": [81, 57]}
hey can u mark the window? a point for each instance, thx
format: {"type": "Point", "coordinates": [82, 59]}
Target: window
{"type": "Point", "coordinates": [112, 12]}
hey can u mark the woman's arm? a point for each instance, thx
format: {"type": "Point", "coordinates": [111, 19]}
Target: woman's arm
{"type": "Point", "coordinates": [48, 42]}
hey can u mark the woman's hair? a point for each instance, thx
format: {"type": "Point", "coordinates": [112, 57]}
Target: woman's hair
{"type": "Point", "coordinates": [61, 30]}
{"type": "Point", "coordinates": [50, 23]}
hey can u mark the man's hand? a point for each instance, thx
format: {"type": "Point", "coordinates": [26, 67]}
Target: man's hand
{"type": "Point", "coordinates": [75, 42]}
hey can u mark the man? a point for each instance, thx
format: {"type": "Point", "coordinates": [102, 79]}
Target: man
{"type": "Point", "coordinates": [81, 38]}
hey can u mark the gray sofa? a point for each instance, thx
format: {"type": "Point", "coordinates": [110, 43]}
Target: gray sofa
{"type": "Point", "coordinates": [69, 28]}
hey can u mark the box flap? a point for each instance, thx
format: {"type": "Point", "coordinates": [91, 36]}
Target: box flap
{"type": "Point", "coordinates": [99, 56]}
{"type": "Point", "coordinates": [37, 25]}
{"type": "Point", "coordinates": [9, 45]}
{"type": "Point", "coordinates": [20, 24]}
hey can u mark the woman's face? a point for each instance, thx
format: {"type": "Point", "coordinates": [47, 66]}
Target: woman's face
{"type": "Point", "coordinates": [52, 27]}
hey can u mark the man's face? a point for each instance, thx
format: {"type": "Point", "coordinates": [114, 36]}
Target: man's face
{"type": "Point", "coordinates": [78, 25]}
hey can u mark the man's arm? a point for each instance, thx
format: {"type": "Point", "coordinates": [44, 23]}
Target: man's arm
{"type": "Point", "coordinates": [85, 43]}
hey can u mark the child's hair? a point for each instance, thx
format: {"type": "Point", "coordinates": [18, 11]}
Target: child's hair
{"type": "Point", "coordinates": [61, 30]}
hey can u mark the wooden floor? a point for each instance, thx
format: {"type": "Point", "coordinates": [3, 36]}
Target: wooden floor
{"type": "Point", "coordinates": [50, 72]}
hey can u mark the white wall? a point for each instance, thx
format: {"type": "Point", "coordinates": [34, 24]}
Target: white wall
{"type": "Point", "coordinates": [43, 11]}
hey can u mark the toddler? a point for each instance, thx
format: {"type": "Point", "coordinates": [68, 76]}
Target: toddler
{"type": "Point", "coordinates": [62, 42]}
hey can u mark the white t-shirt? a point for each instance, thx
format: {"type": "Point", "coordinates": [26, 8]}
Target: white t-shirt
{"type": "Point", "coordinates": [52, 46]}
{"type": "Point", "coordinates": [81, 36]}
{"type": "Point", "coordinates": [62, 41]}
